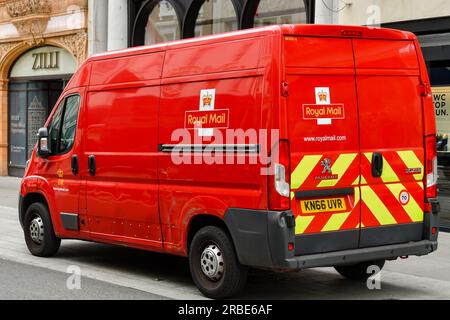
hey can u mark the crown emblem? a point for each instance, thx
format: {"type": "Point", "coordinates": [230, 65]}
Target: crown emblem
{"type": "Point", "coordinates": [207, 99]}
{"type": "Point", "coordinates": [60, 174]}
{"type": "Point", "coordinates": [322, 96]}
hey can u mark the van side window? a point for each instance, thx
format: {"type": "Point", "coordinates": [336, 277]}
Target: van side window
{"type": "Point", "coordinates": [63, 125]}
{"type": "Point", "coordinates": [69, 125]}
{"type": "Point", "coordinates": [54, 128]}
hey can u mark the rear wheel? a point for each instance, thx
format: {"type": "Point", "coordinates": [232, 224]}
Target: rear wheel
{"type": "Point", "coordinates": [360, 271]}
{"type": "Point", "coordinates": [38, 230]}
{"type": "Point", "coordinates": [214, 266]}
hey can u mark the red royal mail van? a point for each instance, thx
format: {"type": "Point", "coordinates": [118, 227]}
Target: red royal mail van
{"type": "Point", "coordinates": [283, 147]}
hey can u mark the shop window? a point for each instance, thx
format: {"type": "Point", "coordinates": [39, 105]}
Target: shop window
{"type": "Point", "coordinates": [162, 24]}
{"type": "Point", "coordinates": [440, 81]}
{"type": "Point", "coordinates": [280, 12]}
{"type": "Point", "coordinates": [216, 16]}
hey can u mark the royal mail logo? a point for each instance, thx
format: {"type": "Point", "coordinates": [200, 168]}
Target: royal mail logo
{"type": "Point", "coordinates": [214, 119]}
{"type": "Point", "coordinates": [317, 111]}
{"type": "Point", "coordinates": [323, 96]}
{"type": "Point", "coordinates": [323, 111]}
{"type": "Point", "coordinates": [60, 173]}
{"type": "Point", "coordinates": [207, 100]}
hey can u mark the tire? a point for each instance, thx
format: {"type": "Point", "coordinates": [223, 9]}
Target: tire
{"type": "Point", "coordinates": [359, 271]}
{"type": "Point", "coordinates": [213, 243]}
{"type": "Point", "coordinates": [48, 244]}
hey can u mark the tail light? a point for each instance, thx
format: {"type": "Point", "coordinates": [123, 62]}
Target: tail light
{"type": "Point", "coordinates": [431, 167]}
{"type": "Point", "coordinates": [280, 180]}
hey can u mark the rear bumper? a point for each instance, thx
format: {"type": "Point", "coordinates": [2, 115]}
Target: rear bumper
{"type": "Point", "coordinates": [388, 252]}
{"type": "Point", "coordinates": [261, 240]}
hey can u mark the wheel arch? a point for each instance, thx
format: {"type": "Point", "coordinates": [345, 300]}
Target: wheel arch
{"type": "Point", "coordinates": [203, 220]}
{"type": "Point", "coordinates": [28, 200]}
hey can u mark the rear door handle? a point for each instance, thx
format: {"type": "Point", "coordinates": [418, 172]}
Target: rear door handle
{"type": "Point", "coordinates": [92, 165]}
{"type": "Point", "coordinates": [75, 164]}
{"type": "Point", "coordinates": [377, 165]}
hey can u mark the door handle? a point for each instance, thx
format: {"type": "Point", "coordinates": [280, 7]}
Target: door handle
{"type": "Point", "coordinates": [91, 165]}
{"type": "Point", "coordinates": [377, 165]}
{"type": "Point", "coordinates": [75, 164]}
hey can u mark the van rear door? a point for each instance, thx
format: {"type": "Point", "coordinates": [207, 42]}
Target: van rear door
{"type": "Point", "coordinates": [392, 145]}
{"type": "Point", "coordinates": [324, 143]}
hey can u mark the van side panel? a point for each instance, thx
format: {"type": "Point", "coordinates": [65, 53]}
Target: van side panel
{"type": "Point", "coordinates": [197, 183]}
{"type": "Point", "coordinates": [210, 58]}
{"type": "Point", "coordinates": [121, 133]}
{"type": "Point", "coordinates": [391, 121]}
{"type": "Point", "coordinates": [127, 69]}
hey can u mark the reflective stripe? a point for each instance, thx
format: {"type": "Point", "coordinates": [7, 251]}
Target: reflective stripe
{"type": "Point", "coordinates": [339, 167]}
{"type": "Point", "coordinates": [302, 223]}
{"type": "Point", "coordinates": [389, 174]}
{"type": "Point", "coordinates": [363, 180]}
{"type": "Point", "coordinates": [412, 208]}
{"type": "Point", "coordinates": [412, 162]}
{"type": "Point", "coordinates": [337, 220]}
{"type": "Point", "coordinates": [376, 206]}
{"type": "Point", "coordinates": [303, 170]}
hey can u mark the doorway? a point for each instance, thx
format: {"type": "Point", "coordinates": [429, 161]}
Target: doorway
{"type": "Point", "coordinates": [30, 103]}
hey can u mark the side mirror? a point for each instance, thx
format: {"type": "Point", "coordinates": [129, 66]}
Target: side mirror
{"type": "Point", "coordinates": [43, 150]}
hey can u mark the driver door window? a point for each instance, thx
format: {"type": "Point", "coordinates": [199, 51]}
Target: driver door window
{"type": "Point", "coordinates": [63, 125]}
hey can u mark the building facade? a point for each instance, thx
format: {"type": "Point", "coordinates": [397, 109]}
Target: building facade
{"type": "Point", "coordinates": [126, 23]}
{"type": "Point", "coordinates": [41, 44]}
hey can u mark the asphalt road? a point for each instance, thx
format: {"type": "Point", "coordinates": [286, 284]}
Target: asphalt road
{"type": "Point", "coordinates": [113, 272]}
{"type": "Point", "coordinates": [24, 282]}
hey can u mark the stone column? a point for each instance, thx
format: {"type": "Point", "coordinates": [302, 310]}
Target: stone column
{"type": "Point", "coordinates": [325, 12]}
{"type": "Point", "coordinates": [97, 26]}
{"type": "Point", "coordinates": [117, 24]}
{"type": "Point", "coordinates": [3, 127]}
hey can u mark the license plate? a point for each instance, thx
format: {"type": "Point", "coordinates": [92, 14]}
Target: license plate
{"type": "Point", "coordinates": [323, 205]}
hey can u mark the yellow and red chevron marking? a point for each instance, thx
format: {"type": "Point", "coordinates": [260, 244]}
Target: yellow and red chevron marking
{"type": "Point", "coordinates": [376, 201]}
{"type": "Point", "coordinates": [403, 171]}
{"type": "Point", "coordinates": [309, 173]}
{"type": "Point", "coordinates": [398, 166]}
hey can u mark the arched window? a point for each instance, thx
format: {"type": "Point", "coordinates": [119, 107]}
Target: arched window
{"type": "Point", "coordinates": [280, 12]}
{"type": "Point", "coordinates": [216, 16]}
{"type": "Point", "coordinates": [162, 24]}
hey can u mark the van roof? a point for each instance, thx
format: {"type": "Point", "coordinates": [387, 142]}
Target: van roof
{"type": "Point", "coordinates": [296, 29]}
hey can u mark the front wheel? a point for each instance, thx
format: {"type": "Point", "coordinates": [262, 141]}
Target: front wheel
{"type": "Point", "coordinates": [38, 230]}
{"type": "Point", "coordinates": [360, 271]}
{"type": "Point", "coordinates": [214, 265]}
